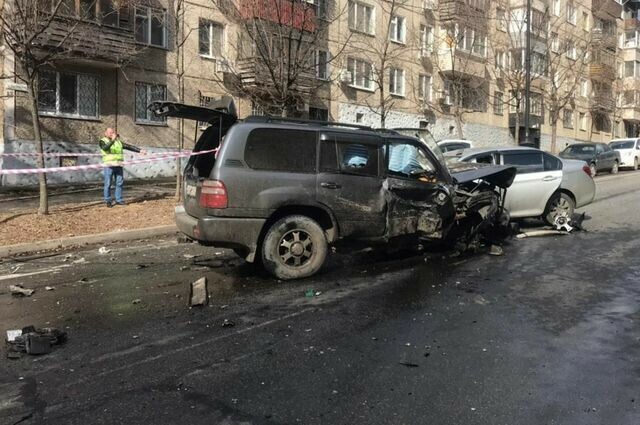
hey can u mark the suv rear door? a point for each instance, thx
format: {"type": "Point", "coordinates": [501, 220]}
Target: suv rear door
{"type": "Point", "coordinates": [349, 182]}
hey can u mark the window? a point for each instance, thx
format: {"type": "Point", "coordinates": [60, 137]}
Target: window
{"type": "Point", "coordinates": [582, 119]}
{"type": "Point", "coordinates": [426, 40]}
{"type": "Point", "coordinates": [585, 21]}
{"type": "Point", "coordinates": [555, 42]}
{"type": "Point", "coordinates": [361, 17]}
{"type": "Point", "coordinates": [66, 94]}
{"type": "Point", "coordinates": [150, 26]}
{"type": "Point", "coordinates": [628, 98]}
{"type": "Point", "coordinates": [397, 29]}
{"type": "Point", "coordinates": [211, 39]}
{"type": "Point", "coordinates": [498, 103]}
{"type": "Point", "coordinates": [396, 81]}
{"type": "Point", "coordinates": [632, 69]}
{"type": "Point", "coordinates": [630, 39]}
{"type": "Point", "coordinates": [358, 158]}
{"type": "Point", "coordinates": [501, 18]}
{"type": "Point", "coordinates": [272, 149]}
{"type": "Point", "coordinates": [551, 163]}
{"type": "Point", "coordinates": [538, 63]}
{"type": "Point", "coordinates": [318, 114]}
{"type": "Point", "coordinates": [321, 61]}
{"type": "Point", "coordinates": [535, 104]}
{"type": "Point", "coordinates": [473, 41]}
{"type": "Point", "coordinates": [361, 73]}
{"type": "Point", "coordinates": [570, 50]}
{"type": "Point", "coordinates": [321, 9]}
{"type": "Point", "coordinates": [584, 87]}
{"type": "Point", "coordinates": [571, 13]}
{"type": "Point", "coordinates": [145, 94]}
{"type": "Point", "coordinates": [530, 162]}
{"type": "Point", "coordinates": [567, 118]}
{"type": "Point", "coordinates": [501, 60]}
{"type": "Point", "coordinates": [425, 87]}
{"type": "Point", "coordinates": [556, 7]}
{"type": "Point", "coordinates": [408, 160]}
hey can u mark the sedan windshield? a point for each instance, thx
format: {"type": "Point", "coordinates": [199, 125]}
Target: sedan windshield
{"type": "Point", "coordinates": [581, 149]}
{"type": "Point", "coordinates": [622, 144]}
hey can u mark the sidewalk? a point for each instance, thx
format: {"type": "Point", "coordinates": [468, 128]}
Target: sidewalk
{"type": "Point", "coordinates": [77, 211]}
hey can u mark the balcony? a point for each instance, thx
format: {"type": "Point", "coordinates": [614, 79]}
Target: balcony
{"type": "Point", "coordinates": [535, 121]}
{"type": "Point", "coordinates": [298, 14]}
{"type": "Point", "coordinates": [603, 65]}
{"type": "Point", "coordinates": [253, 72]}
{"type": "Point", "coordinates": [463, 64]}
{"type": "Point", "coordinates": [602, 102]}
{"type": "Point", "coordinates": [604, 38]}
{"type": "Point", "coordinates": [89, 40]}
{"type": "Point", "coordinates": [452, 10]}
{"type": "Point", "coordinates": [606, 9]}
{"type": "Point", "coordinates": [631, 23]}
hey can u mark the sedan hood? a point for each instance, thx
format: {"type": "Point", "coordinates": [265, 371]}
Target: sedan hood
{"type": "Point", "coordinates": [498, 175]}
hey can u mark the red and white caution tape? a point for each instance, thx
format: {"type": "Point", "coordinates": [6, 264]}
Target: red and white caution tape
{"type": "Point", "coordinates": [59, 154]}
{"type": "Point", "coordinates": [100, 166]}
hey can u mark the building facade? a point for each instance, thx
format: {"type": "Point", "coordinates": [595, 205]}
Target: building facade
{"type": "Point", "coordinates": [453, 66]}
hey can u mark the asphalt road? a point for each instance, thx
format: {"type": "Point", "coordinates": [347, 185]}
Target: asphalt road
{"type": "Point", "coordinates": [545, 334]}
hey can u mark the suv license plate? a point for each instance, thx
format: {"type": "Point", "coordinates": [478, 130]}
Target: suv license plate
{"type": "Point", "coordinates": [190, 191]}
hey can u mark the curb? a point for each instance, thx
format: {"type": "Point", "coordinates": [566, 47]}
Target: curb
{"type": "Point", "coordinates": [75, 241]}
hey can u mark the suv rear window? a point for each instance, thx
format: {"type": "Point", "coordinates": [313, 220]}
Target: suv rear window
{"type": "Point", "coordinates": [276, 149]}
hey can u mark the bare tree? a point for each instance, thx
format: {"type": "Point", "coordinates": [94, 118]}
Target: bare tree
{"type": "Point", "coordinates": [41, 33]}
{"type": "Point", "coordinates": [280, 52]}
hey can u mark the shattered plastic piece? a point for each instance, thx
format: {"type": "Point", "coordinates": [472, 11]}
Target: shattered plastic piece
{"type": "Point", "coordinates": [20, 291]}
{"type": "Point", "coordinates": [189, 256]}
{"type": "Point", "coordinates": [136, 301]}
{"type": "Point", "coordinates": [408, 363]}
{"type": "Point", "coordinates": [141, 266]}
{"type": "Point", "coordinates": [80, 261]}
{"type": "Point", "coordinates": [309, 293]}
{"type": "Point", "coordinates": [496, 250]}
{"type": "Point", "coordinates": [13, 334]}
{"type": "Point", "coordinates": [199, 295]}
{"type": "Point", "coordinates": [318, 293]}
{"type": "Point", "coordinates": [49, 288]}
{"type": "Point", "coordinates": [534, 233]}
{"type": "Point", "coordinates": [103, 250]}
{"type": "Point", "coordinates": [227, 323]}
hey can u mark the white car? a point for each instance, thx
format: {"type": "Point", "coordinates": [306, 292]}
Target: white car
{"type": "Point", "coordinates": [448, 145]}
{"type": "Point", "coordinates": [545, 185]}
{"type": "Point", "coordinates": [629, 152]}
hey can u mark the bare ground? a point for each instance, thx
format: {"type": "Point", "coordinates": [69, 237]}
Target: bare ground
{"type": "Point", "coordinates": [83, 219]}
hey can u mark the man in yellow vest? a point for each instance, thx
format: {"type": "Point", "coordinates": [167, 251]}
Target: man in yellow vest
{"type": "Point", "coordinates": [112, 149]}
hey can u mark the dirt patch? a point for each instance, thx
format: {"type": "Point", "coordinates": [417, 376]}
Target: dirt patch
{"type": "Point", "coordinates": [84, 219]}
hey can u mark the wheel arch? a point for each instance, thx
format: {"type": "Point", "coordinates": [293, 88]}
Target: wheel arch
{"type": "Point", "coordinates": [322, 215]}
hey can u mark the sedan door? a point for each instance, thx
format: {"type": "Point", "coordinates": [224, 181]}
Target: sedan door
{"type": "Point", "coordinates": [532, 186]}
{"type": "Point", "coordinates": [603, 160]}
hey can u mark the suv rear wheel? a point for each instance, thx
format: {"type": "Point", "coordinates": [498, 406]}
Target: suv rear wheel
{"type": "Point", "coordinates": [294, 247]}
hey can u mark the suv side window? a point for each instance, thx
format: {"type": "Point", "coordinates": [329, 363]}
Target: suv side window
{"type": "Point", "coordinates": [529, 162]}
{"type": "Point", "coordinates": [276, 149]}
{"type": "Point", "coordinates": [486, 158]}
{"type": "Point", "coordinates": [358, 158]}
{"type": "Point", "coordinates": [599, 149]}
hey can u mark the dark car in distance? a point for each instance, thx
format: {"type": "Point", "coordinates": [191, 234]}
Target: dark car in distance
{"type": "Point", "coordinates": [280, 191]}
{"type": "Point", "coordinates": [599, 156]}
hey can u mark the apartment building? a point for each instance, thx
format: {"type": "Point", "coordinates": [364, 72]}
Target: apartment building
{"type": "Point", "coordinates": [453, 66]}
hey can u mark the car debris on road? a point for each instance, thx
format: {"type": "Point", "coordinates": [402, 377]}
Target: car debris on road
{"type": "Point", "coordinates": [20, 291]}
{"type": "Point", "coordinates": [199, 295]}
{"type": "Point", "coordinates": [33, 341]}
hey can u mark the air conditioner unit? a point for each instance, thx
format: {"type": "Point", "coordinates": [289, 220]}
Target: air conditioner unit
{"type": "Point", "coordinates": [222, 65]}
{"type": "Point", "coordinates": [345, 76]}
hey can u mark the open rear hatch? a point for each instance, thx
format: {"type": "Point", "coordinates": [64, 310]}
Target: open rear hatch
{"type": "Point", "coordinates": [218, 119]}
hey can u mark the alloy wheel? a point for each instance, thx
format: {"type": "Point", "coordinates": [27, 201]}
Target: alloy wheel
{"type": "Point", "coordinates": [295, 248]}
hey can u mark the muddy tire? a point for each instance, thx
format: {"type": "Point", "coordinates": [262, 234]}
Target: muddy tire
{"type": "Point", "coordinates": [559, 203]}
{"type": "Point", "coordinates": [294, 247]}
{"type": "Point", "coordinates": [614, 169]}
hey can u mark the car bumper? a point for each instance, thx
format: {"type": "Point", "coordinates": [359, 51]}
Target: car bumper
{"type": "Point", "coordinates": [240, 234]}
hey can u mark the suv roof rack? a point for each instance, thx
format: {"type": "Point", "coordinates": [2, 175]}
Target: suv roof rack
{"type": "Point", "coordinates": [270, 118]}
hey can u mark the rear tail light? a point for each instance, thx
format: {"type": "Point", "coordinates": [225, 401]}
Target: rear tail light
{"type": "Point", "coordinates": [213, 194]}
{"type": "Point", "coordinates": [587, 170]}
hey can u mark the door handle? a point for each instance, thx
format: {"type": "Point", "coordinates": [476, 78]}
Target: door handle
{"type": "Point", "coordinates": [549, 179]}
{"type": "Point", "coordinates": [330, 185]}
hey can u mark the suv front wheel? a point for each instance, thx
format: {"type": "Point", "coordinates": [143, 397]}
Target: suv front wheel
{"type": "Point", "coordinates": [294, 247]}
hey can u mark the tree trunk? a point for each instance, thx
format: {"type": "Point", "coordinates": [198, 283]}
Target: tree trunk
{"type": "Point", "coordinates": [517, 127]}
{"type": "Point", "coordinates": [43, 208]}
{"type": "Point", "coordinates": [458, 120]}
{"type": "Point", "coordinates": [554, 135]}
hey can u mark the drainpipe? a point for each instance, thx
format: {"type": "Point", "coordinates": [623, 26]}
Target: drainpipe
{"type": "Point", "coordinates": [527, 82]}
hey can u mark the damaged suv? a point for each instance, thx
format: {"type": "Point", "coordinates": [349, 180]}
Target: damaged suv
{"type": "Point", "coordinates": [281, 191]}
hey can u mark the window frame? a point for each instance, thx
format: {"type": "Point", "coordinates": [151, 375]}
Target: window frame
{"type": "Point", "coordinates": [57, 112]}
{"type": "Point", "coordinates": [426, 40]}
{"type": "Point", "coordinates": [571, 17]}
{"type": "Point", "coordinates": [396, 75]}
{"type": "Point", "coordinates": [567, 113]}
{"type": "Point", "coordinates": [425, 91]}
{"type": "Point", "coordinates": [354, 73]}
{"type": "Point", "coordinates": [498, 103]}
{"type": "Point", "coordinates": [162, 121]}
{"type": "Point", "coordinates": [400, 27]}
{"type": "Point", "coordinates": [318, 65]}
{"type": "Point", "coordinates": [149, 20]}
{"type": "Point", "coordinates": [210, 24]}
{"type": "Point", "coordinates": [357, 6]}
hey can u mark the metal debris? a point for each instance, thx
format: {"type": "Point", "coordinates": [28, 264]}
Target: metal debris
{"type": "Point", "coordinates": [227, 323]}
{"type": "Point", "coordinates": [496, 250]}
{"type": "Point", "coordinates": [562, 222]}
{"type": "Point", "coordinates": [49, 288]}
{"type": "Point", "coordinates": [20, 291]}
{"type": "Point", "coordinates": [34, 341]}
{"type": "Point", "coordinates": [535, 233]}
{"type": "Point", "coordinates": [408, 363]}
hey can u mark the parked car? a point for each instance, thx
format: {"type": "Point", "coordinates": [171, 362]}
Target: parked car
{"type": "Point", "coordinates": [599, 156]}
{"type": "Point", "coordinates": [629, 152]}
{"type": "Point", "coordinates": [448, 145]}
{"type": "Point", "coordinates": [545, 186]}
{"type": "Point", "coordinates": [281, 191]}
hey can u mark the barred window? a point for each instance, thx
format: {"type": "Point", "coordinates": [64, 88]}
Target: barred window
{"type": "Point", "coordinates": [67, 94]}
{"type": "Point", "coordinates": [145, 94]}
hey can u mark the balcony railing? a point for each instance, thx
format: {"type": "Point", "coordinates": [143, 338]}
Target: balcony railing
{"type": "Point", "coordinates": [451, 10]}
{"type": "Point", "coordinates": [602, 102]}
{"type": "Point", "coordinates": [606, 9]}
{"type": "Point", "coordinates": [254, 72]}
{"type": "Point", "coordinates": [604, 38]}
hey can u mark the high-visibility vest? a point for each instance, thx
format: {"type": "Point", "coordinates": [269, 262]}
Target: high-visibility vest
{"type": "Point", "coordinates": [115, 152]}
